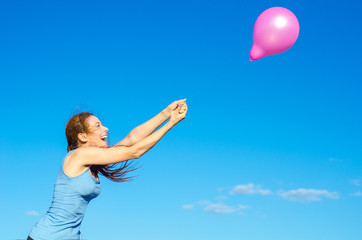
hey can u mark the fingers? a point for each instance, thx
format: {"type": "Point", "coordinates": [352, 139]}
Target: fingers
{"type": "Point", "coordinates": [181, 100]}
{"type": "Point", "coordinates": [180, 106]}
{"type": "Point", "coordinates": [179, 113]}
{"type": "Point", "coordinates": [183, 109]}
{"type": "Point", "coordinates": [177, 108]}
{"type": "Point", "coordinates": [173, 105]}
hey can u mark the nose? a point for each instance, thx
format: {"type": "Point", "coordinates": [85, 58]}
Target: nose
{"type": "Point", "coordinates": [105, 129]}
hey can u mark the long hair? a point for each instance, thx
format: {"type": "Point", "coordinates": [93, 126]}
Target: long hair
{"type": "Point", "coordinates": [116, 172]}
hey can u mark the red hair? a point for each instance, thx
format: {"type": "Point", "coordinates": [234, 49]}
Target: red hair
{"type": "Point", "coordinates": [77, 124]}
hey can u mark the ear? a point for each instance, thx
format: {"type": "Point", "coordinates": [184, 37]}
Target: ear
{"type": "Point", "coordinates": [82, 137]}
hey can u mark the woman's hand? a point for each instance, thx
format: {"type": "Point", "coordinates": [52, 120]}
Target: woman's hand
{"type": "Point", "coordinates": [173, 106]}
{"type": "Point", "coordinates": [179, 113]}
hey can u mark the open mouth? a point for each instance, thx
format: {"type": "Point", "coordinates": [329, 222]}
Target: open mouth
{"type": "Point", "coordinates": [103, 138]}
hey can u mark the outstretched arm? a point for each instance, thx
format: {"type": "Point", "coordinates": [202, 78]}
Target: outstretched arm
{"type": "Point", "coordinates": [147, 128]}
{"type": "Point", "coordinates": [103, 156]}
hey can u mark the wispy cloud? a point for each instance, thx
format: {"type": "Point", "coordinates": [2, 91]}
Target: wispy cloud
{"type": "Point", "coordinates": [307, 195]}
{"type": "Point", "coordinates": [250, 189]}
{"type": "Point", "coordinates": [32, 213]}
{"type": "Point", "coordinates": [217, 208]}
{"type": "Point", "coordinates": [221, 208]}
{"type": "Point", "coordinates": [357, 194]}
{"type": "Point", "coordinates": [188, 206]}
{"type": "Point", "coordinates": [301, 195]}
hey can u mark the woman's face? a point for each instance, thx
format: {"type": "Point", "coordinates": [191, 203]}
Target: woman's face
{"type": "Point", "coordinates": [97, 132]}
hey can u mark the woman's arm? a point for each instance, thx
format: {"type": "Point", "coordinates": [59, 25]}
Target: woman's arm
{"type": "Point", "coordinates": [144, 129]}
{"type": "Point", "coordinates": [148, 127]}
{"type": "Point", "coordinates": [103, 156]}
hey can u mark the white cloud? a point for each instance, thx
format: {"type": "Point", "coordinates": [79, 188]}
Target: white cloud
{"type": "Point", "coordinates": [217, 208]}
{"type": "Point", "coordinates": [307, 195]}
{"type": "Point", "coordinates": [221, 208]}
{"type": "Point", "coordinates": [32, 213]}
{"type": "Point", "coordinates": [250, 189]}
{"type": "Point", "coordinates": [264, 191]}
{"type": "Point", "coordinates": [188, 206]}
{"type": "Point", "coordinates": [357, 194]}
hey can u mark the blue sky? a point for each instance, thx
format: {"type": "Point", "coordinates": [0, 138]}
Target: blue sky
{"type": "Point", "coordinates": [270, 149]}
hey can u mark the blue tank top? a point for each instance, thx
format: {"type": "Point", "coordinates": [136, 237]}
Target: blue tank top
{"type": "Point", "coordinates": [70, 200]}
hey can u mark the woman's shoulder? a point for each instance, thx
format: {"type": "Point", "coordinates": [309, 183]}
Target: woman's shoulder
{"type": "Point", "coordinates": [73, 165]}
{"type": "Point", "coordinates": [80, 155]}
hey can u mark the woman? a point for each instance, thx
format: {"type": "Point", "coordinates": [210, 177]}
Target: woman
{"type": "Point", "coordinates": [78, 181]}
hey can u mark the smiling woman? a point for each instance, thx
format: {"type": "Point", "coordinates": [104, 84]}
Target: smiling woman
{"type": "Point", "coordinates": [85, 129]}
{"type": "Point", "coordinates": [88, 155]}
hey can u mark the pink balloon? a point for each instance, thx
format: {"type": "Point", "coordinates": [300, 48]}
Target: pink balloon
{"type": "Point", "coordinates": [275, 30]}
